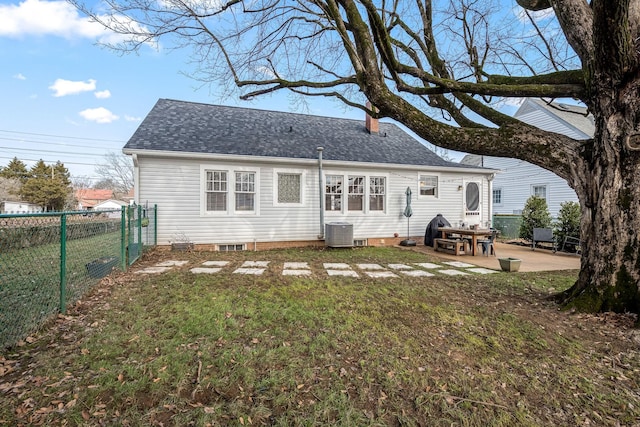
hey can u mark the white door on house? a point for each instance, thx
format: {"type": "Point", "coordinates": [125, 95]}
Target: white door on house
{"type": "Point", "coordinates": [472, 202]}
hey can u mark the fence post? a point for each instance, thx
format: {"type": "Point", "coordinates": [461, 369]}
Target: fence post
{"type": "Point", "coordinates": [63, 264]}
{"type": "Point", "coordinates": [123, 237]}
{"type": "Point", "coordinates": [155, 225]}
{"type": "Point", "coordinates": [129, 210]}
{"type": "Point", "coordinates": [139, 230]}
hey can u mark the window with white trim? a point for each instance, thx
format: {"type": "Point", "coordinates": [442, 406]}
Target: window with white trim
{"type": "Point", "coordinates": [428, 185]}
{"type": "Point", "coordinates": [376, 193]}
{"type": "Point", "coordinates": [289, 187]}
{"type": "Point", "coordinates": [497, 196]}
{"type": "Point", "coordinates": [356, 193]}
{"type": "Point", "coordinates": [245, 191]}
{"type": "Point", "coordinates": [216, 191]}
{"type": "Point", "coordinates": [333, 193]}
{"type": "Point", "coordinates": [539, 191]}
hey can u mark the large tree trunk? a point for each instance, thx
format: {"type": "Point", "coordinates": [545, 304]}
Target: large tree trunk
{"type": "Point", "coordinates": [607, 184]}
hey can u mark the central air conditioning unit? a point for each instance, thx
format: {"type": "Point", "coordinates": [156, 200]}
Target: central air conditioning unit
{"type": "Point", "coordinates": [339, 235]}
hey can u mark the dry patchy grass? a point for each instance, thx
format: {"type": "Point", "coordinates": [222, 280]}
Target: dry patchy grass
{"type": "Point", "coordinates": [184, 349]}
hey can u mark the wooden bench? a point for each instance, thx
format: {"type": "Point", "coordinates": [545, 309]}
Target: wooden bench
{"type": "Point", "coordinates": [450, 246]}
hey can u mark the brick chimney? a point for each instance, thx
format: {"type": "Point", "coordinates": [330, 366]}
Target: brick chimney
{"type": "Point", "coordinates": [371, 123]}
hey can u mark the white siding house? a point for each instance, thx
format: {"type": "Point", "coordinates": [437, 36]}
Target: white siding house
{"type": "Point", "coordinates": [518, 179]}
{"type": "Point", "coordinates": [228, 176]}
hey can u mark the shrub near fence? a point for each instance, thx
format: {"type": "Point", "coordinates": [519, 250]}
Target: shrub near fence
{"type": "Point", "coordinates": [49, 260]}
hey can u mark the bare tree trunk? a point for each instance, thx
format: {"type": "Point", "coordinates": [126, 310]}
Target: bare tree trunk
{"type": "Point", "coordinates": [609, 192]}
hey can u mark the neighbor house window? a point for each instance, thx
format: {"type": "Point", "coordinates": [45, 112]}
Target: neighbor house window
{"type": "Point", "coordinates": [217, 185]}
{"type": "Point", "coordinates": [497, 196]}
{"type": "Point", "coordinates": [333, 193]}
{"type": "Point", "coordinates": [289, 188]}
{"type": "Point", "coordinates": [245, 191]}
{"type": "Point", "coordinates": [428, 185]}
{"type": "Point", "coordinates": [539, 191]}
{"type": "Point", "coordinates": [356, 193]}
{"type": "Point", "coordinates": [376, 193]}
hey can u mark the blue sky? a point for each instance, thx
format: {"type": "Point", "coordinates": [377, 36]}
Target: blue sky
{"type": "Point", "coordinates": [66, 98]}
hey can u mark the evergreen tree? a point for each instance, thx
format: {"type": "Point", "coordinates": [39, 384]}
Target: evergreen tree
{"type": "Point", "coordinates": [534, 215]}
{"type": "Point", "coordinates": [16, 169]}
{"type": "Point", "coordinates": [47, 186]}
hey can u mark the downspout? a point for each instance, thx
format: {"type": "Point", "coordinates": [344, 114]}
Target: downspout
{"type": "Point", "coordinates": [320, 191]}
{"type": "Point", "coordinates": [490, 199]}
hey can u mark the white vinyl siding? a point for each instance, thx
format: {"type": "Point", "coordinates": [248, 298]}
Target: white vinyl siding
{"type": "Point", "coordinates": [178, 187]}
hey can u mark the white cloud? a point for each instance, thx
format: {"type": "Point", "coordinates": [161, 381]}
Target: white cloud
{"type": "Point", "coordinates": [59, 18]}
{"type": "Point", "coordinates": [98, 115]}
{"type": "Point", "coordinates": [63, 87]}
{"type": "Point", "coordinates": [19, 76]}
{"type": "Point", "coordinates": [132, 119]}
{"type": "Point", "coordinates": [37, 17]}
{"type": "Point", "coordinates": [103, 94]}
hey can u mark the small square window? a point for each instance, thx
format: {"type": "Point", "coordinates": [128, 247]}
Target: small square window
{"type": "Point", "coordinates": [289, 186]}
{"type": "Point", "coordinates": [428, 185]}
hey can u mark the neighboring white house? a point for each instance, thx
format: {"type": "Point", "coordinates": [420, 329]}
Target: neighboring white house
{"type": "Point", "coordinates": [111, 204]}
{"type": "Point", "coordinates": [518, 180]}
{"type": "Point", "coordinates": [240, 178]}
{"type": "Point", "coordinates": [9, 207]}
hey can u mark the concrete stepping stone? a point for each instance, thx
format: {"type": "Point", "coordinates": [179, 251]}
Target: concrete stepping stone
{"type": "Point", "coordinates": [453, 272]}
{"type": "Point", "coordinates": [417, 273]}
{"type": "Point", "coordinates": [370, 267]}
{"type": "Point", "coordinates": [247, 264]}
{"type": "Point", "coordinates": [296, 265]}
{"type": "Point", "coordinates": [481, 270]}
{"type": "Point", "coordinates": [246, 270]}
{"type": "Point", "coordinates": [298, 272]}
{"type": "Point", "coordinates": [215, 263]}
{"type": "Point", "coordinates": [381, 274]}
{"type": "Point", "coordinates": [171, 263]}
{"type": "Point", "coordinates": [153, 270]}
{"type": "Point", "coordinates": [347, 273]}
{"type": "Point", "coordinates": [428, 265]}
{"type": "Point", "coordinates": [205, 270]}
{"type": "Point", "coordinates": [400, 267]}
{"type": "Point", "coordinates": [459, 264]}
{"type": "Point", "coordinates": [336, 266]}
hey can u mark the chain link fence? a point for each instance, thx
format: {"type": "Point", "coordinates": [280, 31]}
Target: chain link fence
{"type": "Point", "coordinates": [50, 260]}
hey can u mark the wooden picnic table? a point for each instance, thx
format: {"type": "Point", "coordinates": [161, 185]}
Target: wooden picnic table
{"type": "Point", "coordinates": [474, 234]}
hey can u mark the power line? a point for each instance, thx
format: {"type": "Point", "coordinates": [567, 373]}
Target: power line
{"type": "Point", "coordinates": [50, 161]}
{"type": "Point", "coordinates": [48, 151]}
{"type": "Point", "coordinates": [64, 144]}
{"type": "Point", "coordinates": [61, 136]}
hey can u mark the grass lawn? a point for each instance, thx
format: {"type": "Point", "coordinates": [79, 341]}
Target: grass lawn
{"type": "Point", "coordinates": [179, 349]}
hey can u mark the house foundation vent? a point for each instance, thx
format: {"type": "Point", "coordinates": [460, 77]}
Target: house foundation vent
{"type": "Point", "coordinates": [360, 242]}
{"type": "Point", "coordinates": [338, 234]}
{"type": "Point", "coordinates": [231, 247]}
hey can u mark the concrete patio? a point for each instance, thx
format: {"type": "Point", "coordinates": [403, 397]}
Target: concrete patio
{"type": "Point", "coordinates": [538, 260]}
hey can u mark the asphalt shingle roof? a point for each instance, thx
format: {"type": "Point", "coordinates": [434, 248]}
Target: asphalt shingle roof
{"type": "Point", "coordinates": [202, 128]}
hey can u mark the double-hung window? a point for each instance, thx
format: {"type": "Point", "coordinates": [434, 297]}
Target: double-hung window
{"type": "Point", "coordinates": [539, 191]}
{"type": "Point", "coordinates": [216, 191]}
{"type": "Point", "coordinates": [356, 193]}
{"type": "Point", "coordinates": [245, 191]}
{"type": "Point", "coordinates": [376, 193]}
{"type": "Point", "coordinates": [333, 193]}
{"type": "Point", "coordinates": [497, 196]}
